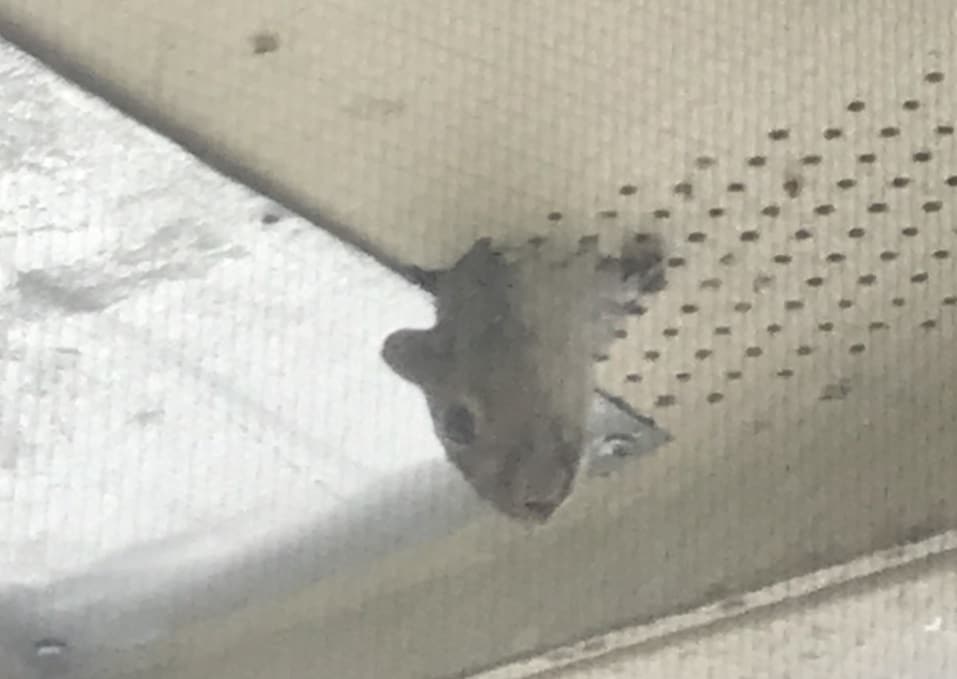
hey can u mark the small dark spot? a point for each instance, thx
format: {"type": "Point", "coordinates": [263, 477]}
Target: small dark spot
{"type": "Point", "coordinates": [867, 279]}
{"type": "Point", "coordinates": [757, 161]}
{"type": "Point", "coordinates": [836, 391]}
{"type": "Point", "coordinates": [877, 325]}
{"type": "Point", "coordinates": [710, 284]}
{"type": "Point", "coordinates": [727, 259]}
{"type": "Point", "coordinates": [932, 206]}
{"type": "Point", "coordinates": [922, 156]}
{"type": "Point", "coordinates": [898, 301]}
{"type": "Point", "coordinates": [633, 308]}
{"type": "Point", "coordinates": [774, 328]}
{"type": "Point", "coordinates": [652, 356]}
{"type": "Point", "coordinates": [554, 216]}
{"type": "Point", "coordinates": [688, 308]}
{"type": "Point", "coordinates": [940, 254]}
{"type": "Point", "coordinates": [877, 207]}
{"type": "Point", "coordinates": [833, 133]}
{"type": "Point", "coordinates": [779, 134]}
{"type": "Point", "coordinates": [900, 182]}
{"type": "Point", "coordinates": [803, 234]}
{"type": "Point", "coordinates": [716, 212]}
{"type": "Point", "coordinates": [944, 130]}
{"type": "Point", "coordinates": [665, 401]}
{"type": "Point", "coordinates": [270, 218]}
{"type": "Point", "coordinates": [856, 232]}
{"type": "Point", "coordinates": [811, 159]}
{"type": "Point", "coordinates": [588, 241]}
{"type": "Point", "coordinates": [633, 377]}
{"type": "Point", "coordinates": [934, 77]}
{"type": "Point", "coordinates": [715, 397]}
{"type": "Point", "coordinates": [684, 189]}
{"type": "Point", "coordinates": [857, 349]}
{"type": "Point", "coordinates": [867, 158]}
{"type": "Point", "coordinates": [792, 187]}
{"type": "Point", "coordinates": [733, 375]}
{"type": "Point", "coordinates": [661, 213]}
{"type": "Point", "coordinates": [742, 307]}
{"type": "Point", "coordinates": [888, 132]}
{"type": "Point", "coordinates": [722, 330]}
{"type": "Point", "coordinates": [628, 190]}
{"type": "Point", "coordinates": [805, 350]}
{"type": "Point", "coordinates": [670, 332]}
{"type": "Point", "coordinates": [696, 237]}
{"type": "Point", "coordinates": [785, 373]}
{"type": "Point", "coordinates": [845, 303]}
{"type": "Point", "coordinates": [264, 42]}
{"type": "Point", "coordinates": [736, 187]}
{"type": "Point", "coordinates": [620, 334]}
{"type": "Point", "coordinates": [910, 231]}
{"type": "Point", "coordinates": [702, 354]}
{"type": "Point", "coordinates": [910, 105]}
{"type": "Point", "coordinates": [683, 377]}
{"type": "Point", "coordinates": [856, 106]}
{"type": "Point", "coordinates": [676, 262]}
{"type": "Point", "coordinates": [824, 209]}
{"type": "Point", "coordinates": [600, 358]}
{"type": "Point", "coordinates": [835, 257]}
{"type": "Point", "coordinates": [815, 281]}
{"type": "Point", "coordinates": [951, 180]}
{"type": "Point", "coordinates": [950, 300]}
{"type": "Point", "coordinates": [704, 162]}
{"type": "Point", "coordinates": [826, 326]}
{"type": "Point", "coordinates": [753, 352]}
{"type": "Point", "coordinates": [929, 324]}
{"type": "Point", "coordinates": [846, 183]}
{"type": "Point", "coordinates": [608, 214]}
{"type": "Point", "coordinates": [750, 236]}
{"type": "Point", "coordinates": [888, 256]}
{"type": "Point", "coordinates": [782, 259]}
{"type": "Point", "coordinates": [793, 305]}
{"type": "Point", "coordinates": [771, 210]}
{"type": "Point", "coordinates": [919, 278]}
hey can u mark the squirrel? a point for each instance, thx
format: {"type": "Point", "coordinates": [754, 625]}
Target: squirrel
{"type": "Point", "coordinates": [507, 370]}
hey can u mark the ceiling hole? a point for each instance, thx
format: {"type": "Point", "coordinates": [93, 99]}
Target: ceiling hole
{"type": "Point", "coordinates": [932, 206]}
{"type": "Point", "coordinates": [727, 259]}
{"type": "Point", "coordinates": [950, 300]}
{"type": "Point", "coordinates": [735, 187]}
{"type": "Point", "coordinates": [856, 106]}
{"type": "Point", "coordinates": [826, 326]}
{"type": "Point", "coordinates": [704, 162]}
{"type": "Point", "coordinates": [749, 236]}
{"type": "Point", "coordinates": [715, 212]}
{"type": "Point", "coordinates": [867, 158]}
{"type": "Point", "coordinates": [733, 375]}
{"type": "Point", "coordinates": [696, 237]}
{"type": "Point", "coordinates": [771, 210]}
{"type": "Point", "coordinates": [688, 308]}
{"type": "Point", "coordinates": [536, 241]}
{"type": "Point", "coordinates": [951, 180]}
{"type": "Point", "coordinates": [710, 284]}
{"type": "Point", "coordinates": [793, 305]}
{"type": "Point", "coordinates": [856, 232]}
{"type": "Point", "coordinates": [877, 325]}
{"type": "Point", "coordinates": [929, 324]}
{"type": "Point", "coordinates": [824, 209]}
{"type": "Point", "coordinates": [676, 262]}
{"type": "Point", "coordinates": [652, 356]}
{"type": "Point", "coordinates": [898, 301]}
{"type": "Point", "coordinates": [802, 234]}
{"type": "Point", "coordinates": [815, 281]}
{"type": "Point", "coordinates": [742, 307]}
{"type": "Point", "coordinates": [633, 377]}
{"type": "Point", "coordinates": [922, 156]}
{"type": "Point", "coordinates": [661, 213]}
{"type": "Point", "coordinates": [670, 332]}
{"type": "Point", "coordinates": [722, 330]}
{"type": "Point", "coordinates": [782, 259]}
{"type": "Point", "coordinates": [628, 190]}
{"type": "Point", "coordinates": [845, 183]}
{"type": "Point", "coordinates": [877, 207]}
{"type": "Point", "coordinates": [554, 216]}
{"type": "Point", "coordinates": [889, 132]}
{"type": "Point", "coordinates": [836, 257]}
{"type": "Point", "coordinates": [811, 159]}
{"type": "Point", "coordinates": [753, 352]}
{"type": "Point", "coordinates": [757, 161]}
{"type": "Point", "coordinates": [919, 278]}
{"type": "Point", "coordinates": [683, 377]}
{"type": "Point", "coordinates": [715, 397]}
{"type": "Point", "coordinates": [792, 187]}
{"type": "Point", "coordinates": [857, 348]}
{"type": "Point", "coordinates": [910, 105]}
{"type": "Point", "coordinates": [944, 130]}
{"type": "Point", "coordinates": [774, 329]}
{"type": "Point", "coordinates": [785, 373]}
{"type": "Point", "coordinates": [684, 189]}
{"type": "Point", "coordinates": [845, 303]}
{"type": "Point", "coordinates": [833, 133]}
{"type": "Point", "coordinates": [779, 134]}
{"type": "Point", "coordinates": [934, 77]}
{"type": "Point", "coordinates": [665, 401]}
{"type": "Point", "coordinates": [867, 279]}
{"type": "Point", "coordinates": [608, 214]}
{"type": "Point", "coordinates": [888, 256]}
{"type": "Point", "coordinates": [805, 350]}
{"type": "Point", "coordinates": [600, 358]}
{"type": "Point", "coordinates": [588, 241]}
{"type": "Point", "coordinates": [265, 42]}
{"type": "Point", "coordinates": [910, 231]}
{"type": "Point", "coordinates": [941, 254]}
{"type": "Point", "coordinates": [702, 354]}
{"type": "Point", "coordinates": [620, 334]}
{"type": "Point", "coordinates": [633, 308]}
{"type": "Point", "coordinates": [900, 182]}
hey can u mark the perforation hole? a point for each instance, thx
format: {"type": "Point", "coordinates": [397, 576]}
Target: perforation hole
{"type": "Point", "coordinates": [782, 259]}
{"type": "Point", "coordinates": [833, 133]}
{"type": "Point", "coordinates": [684, 189]}
{"type": "Point", "coordinates": [815, 281]}
{"type": "Point", "coordinates": [876, 208]}
{"type": "Point", "coordinates": [888, 256]}
{"type": "Point", "coordinates": [554, 216]}
{"type": "Point", "coordinates": [742, 307]}
{"type": "Point", "coordinates": [845, 303]}
{"type": "Point", "coordinates": [771, 210]}
{"type": "Point", "coordinates": [950, 300]}
{"type": "Point", "coordinates": [689, 308]}
{"type": "Point", "coordinates": [661, 213]}
{"type": "Point", "coordinates": [846, 183]}
{"type": "Point", "coordinates": [736, 187]}
{"type": "Point", "coordinates": [805, 350]}
{"type": "Point", "coordinates": [835, 257]}
{"type": "Point", "coordinates": [811, 159]}
{"type": "Point", "coordinates": [774, 328]}
{"type": "Point", "coordinates": [651, 356]}
{"type": "Point", "coordinates": [727, 259]}
{"type": "Point", "coordinates": [733, 375]}
{"type": "Point", "coordinates": [608, 214]}
{"type": "Point", "coordinates": [856, 232]}
{"type": "Point", "coordinates": [875, 326]}
{"type": "Point", "coordinates": [704, 162]}
{"type": "Point", "coordinates": [856, 106]}
{"type": "Point", "coordinates": [620, 334]}
{"type": "Point", "coordinates": [856, 349]}
{"type": "Point", "coordinates": [750, 236]}
{"type": "Point", "coordinates": [793, 305]}
{"type": "Point", "coordinates": [898, 301]}
{"type": "Point", "coordinates": [697, 237]}
{"type": "Point", "coordinates": [670, 332]}
{"type": "Point", "coordinates": [867, 279]}
{"type": "Point", "coordinates": [683, 377]}
{"type": "Point", "coordinates": [665, 401]}
{"type": "Point", "coordinates": [823, 210]}
{"type": "Point", "coordinates": [910, 105]}
{"type": "Point", "coordinates": [792, 187]}
{"type": "Point", "coordinates": [826, 326]}
{"type": "Point", "coordinates": [634, 378]}
{"type": "Point", "coordinates": [716, 212]}
{"type": "Point", "coordinates": [628, 189]}
{"type": "Point", "coordinates": [702, 354]}
{"type": "Point", "coordinates": [934, 77]}
{"type": "Point", "coordinates": [888, 132]}
{"type": "Point", "coordinates": [715, 397]}
{"type": "Point", "coordinates": [951, 180]}
{"type": "Point", "coordinates": [940, 254]}
{"type": "Point", "coordinates": [944, 130]}
{"type": "Point", "coordinates": [900, 182]}
{"type": "Point", "coordinates": [676, 262]}
{"type": "Point", "coordinates": [722, 330]}
{"type": "Point", "coordinates": [785, 373]}
{"type": "Point", "coordinates": [932, 206]}
{"type": "Point", "coordinates": [867, 158]}
{"type": "Point", "coordinates": [779, 134]}
{"type": "Point", "coordinates": [919, 278]}
{"type": "Point", "coordinates": [803, 234]}
{"type": "Point", "coordinates": [757, 161]}
{"type": "Point", "coordinates": [922, 156]}
{"type": "Point", "coordinates": [929, 324]}
{"type": "Point", "coordinates": [753, 352]}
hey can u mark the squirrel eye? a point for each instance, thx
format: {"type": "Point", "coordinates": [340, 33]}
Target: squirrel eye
{"type": "Point", "coordinates": [458, 424]}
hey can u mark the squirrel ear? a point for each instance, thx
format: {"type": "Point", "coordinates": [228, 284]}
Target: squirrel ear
{"type": "Point", "coordinates": [412, 355]}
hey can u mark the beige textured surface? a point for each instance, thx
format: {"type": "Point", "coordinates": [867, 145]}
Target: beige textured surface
{"type": "Point", "coordinates": [803, 351]}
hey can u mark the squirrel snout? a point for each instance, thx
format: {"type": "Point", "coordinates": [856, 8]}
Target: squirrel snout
{"type": "Point", "coordinates": [540, 491]}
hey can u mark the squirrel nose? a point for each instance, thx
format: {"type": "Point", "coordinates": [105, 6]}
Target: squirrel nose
{"type": "Point", "coordinates": [540, 495]}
